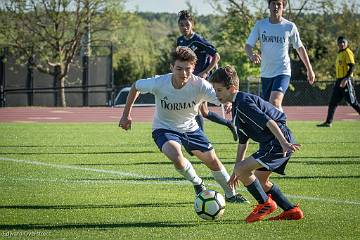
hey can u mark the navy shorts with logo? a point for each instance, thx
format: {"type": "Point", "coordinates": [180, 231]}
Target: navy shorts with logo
{"type": "Point", "coordinates": [270, 155]}
{"type": "Point", "coordinates": [278, 83]}
{"type": "Point", "coordinates": [191, 141]}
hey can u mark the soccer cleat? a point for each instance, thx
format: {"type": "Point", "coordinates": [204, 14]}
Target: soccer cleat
{"type": "Point", "coordinates": [199, 188]}
{"type": "Point", "coordinates": [324, 124]}
{"type": "Point", "coordinates": [261, 211]}
{"type": "Point", "coordinates": [292, 214]}
{"type": "Point", "coordinates": [233, 131]}
{"type": "Point", "coordinates": [237, 198]}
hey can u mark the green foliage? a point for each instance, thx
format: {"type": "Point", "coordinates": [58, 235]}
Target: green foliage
{"type": "Point", "coordinates": [143, 41]}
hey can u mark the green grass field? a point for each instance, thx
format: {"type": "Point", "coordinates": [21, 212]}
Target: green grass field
{"type": "Point", "coordinates": [95, 181]}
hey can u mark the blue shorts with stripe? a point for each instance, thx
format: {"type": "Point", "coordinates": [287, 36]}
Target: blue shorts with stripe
{"type": "Point", "coordinates": [278, 83]}
{"type": "Point", "coordinates": [191, 141]}
{"type": "Point", "coordinates": [270, 155]}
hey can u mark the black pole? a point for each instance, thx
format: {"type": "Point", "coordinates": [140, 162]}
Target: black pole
{"type": "Point", "coordinates": [2, 78]}
{"type": "Point", "coordinates": [85, 80]}
{"type": "Point", "coordinates": [111, 80]}
{"type": "Point", "coordinates": [30, 81]}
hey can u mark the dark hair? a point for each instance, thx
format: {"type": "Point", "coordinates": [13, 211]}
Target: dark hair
{"type": "Point", "coordinates": [184, 54]}
{"type": "Point", "coordinates": [284, 2]}
{"type": "Point", "coordinates": [226, 76]}
{"type": "Point", "coordinates": [185, 15]}
{"type": "Point", "coordinates": [341, 39]}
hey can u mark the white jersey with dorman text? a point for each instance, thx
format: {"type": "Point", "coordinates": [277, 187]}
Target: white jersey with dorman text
{"type": "Point", "coordinates": [176, 108]}
{"type": "Point", "coordinates": [274, 45]}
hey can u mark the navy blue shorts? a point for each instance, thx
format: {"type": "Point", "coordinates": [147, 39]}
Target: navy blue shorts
{"type": "Point", "coordinates": [191, 140]}
{"type": "Point", "coordinates": [278, 83]}
{"type": "Point", "coordinates": [270, 155]}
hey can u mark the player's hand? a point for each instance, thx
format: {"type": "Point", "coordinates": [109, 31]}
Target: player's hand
{"type": "Point", "coordinates": [233, 181]}
{"type": "Point", "coordinates": [311, 76]}
{"type": "Point", "coordinates": [125, 122]}
{"type": "Point", "coordinates": [343, 82]}
{"type": "Point", "coordinates": [290, 148]}
{"type": "Point", "coordinates": [203, 75]}
{"type": "Point", "coordinates": [228, 107]}
{"type": "Point", "coordinates": [255, 58]}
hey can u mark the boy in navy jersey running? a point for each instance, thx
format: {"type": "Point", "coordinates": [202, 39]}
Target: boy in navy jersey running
{"type": "Point", "coordinates": [208, 59]}
{"type": "Point", "coordinates": [260, 121]}
{"type": "Point", "coordinates": [177, 99]}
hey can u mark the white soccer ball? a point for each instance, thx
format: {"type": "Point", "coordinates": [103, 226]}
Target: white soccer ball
{"type": "Point", "coordinates": [209, 205]}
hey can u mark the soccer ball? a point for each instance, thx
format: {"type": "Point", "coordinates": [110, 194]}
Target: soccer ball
{"type": "Point", "coordinates": [209, 205]}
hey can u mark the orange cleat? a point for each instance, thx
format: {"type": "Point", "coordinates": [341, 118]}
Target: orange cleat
{"type": "Point", "coordinates": [261, 211]}
{"type": "Point", "coordinates": [291, 214]}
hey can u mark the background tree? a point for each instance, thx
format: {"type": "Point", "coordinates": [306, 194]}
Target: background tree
{"type": "Point", "coordinates": [50, 33]}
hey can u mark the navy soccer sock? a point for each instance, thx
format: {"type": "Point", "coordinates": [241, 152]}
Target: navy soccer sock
{"type": "Point", "coordinates": [257, 191]}
{"type": "Point", "coordinates": [280, 198]}
{"type": "Point", "coordinates": [214, 117]}
{"type": "Point", "coordinates": [200, 121]}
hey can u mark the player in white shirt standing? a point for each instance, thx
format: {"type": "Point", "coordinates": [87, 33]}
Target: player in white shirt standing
{"type": "Point", "coordinates": [275, 35]}
{"type": "Point", "coordinates": [178, 96]}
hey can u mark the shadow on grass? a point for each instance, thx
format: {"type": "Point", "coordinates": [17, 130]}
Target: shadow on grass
{"type": "Point", "coordinates": [231, 161]}
{"type": "Point", "coordinates": [314, 161]}
{"type": "Point", "coordinates": [76, 145]}
{"type": "Point", "coordinates": [101, 206]}
{"type": "Point", "coordinates": [315, 177]}
{"type": "Point", "coordinates": [97, 225]}
{"type": "Point", "coordinates": [156, 224]}
{"type": "Point", "coordinates": [76, 153]}
{"type": "Point", "coordinates": [210, 178]}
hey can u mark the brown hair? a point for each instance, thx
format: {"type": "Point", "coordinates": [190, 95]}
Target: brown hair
{"type": "Point", "coordinates": [185, 15]}
{"type": "Point", "coordinates": [226, 76]}
{"type": "Point", "coordinates": [284, 2]}
{"type": "Point", "coordinates": [184, 54]}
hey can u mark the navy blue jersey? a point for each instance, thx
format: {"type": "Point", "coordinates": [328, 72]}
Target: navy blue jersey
{"type": "Point", "coordinates": [251, 113]}
{"type": "Point", "coordinates": [202, 48]}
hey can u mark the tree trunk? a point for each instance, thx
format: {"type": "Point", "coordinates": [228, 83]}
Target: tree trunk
{"type": "Point", "coordinates": [60, 84]}
{"type": "Point", "coordinates": [62, 92]}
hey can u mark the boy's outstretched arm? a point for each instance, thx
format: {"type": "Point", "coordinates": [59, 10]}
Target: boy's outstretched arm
{"type": "Point", "coordinates": [286, 146]}
{"type": "Point", "coordinates": [240, 156]}
{"type": "Point", "coordinates": [125, 120]}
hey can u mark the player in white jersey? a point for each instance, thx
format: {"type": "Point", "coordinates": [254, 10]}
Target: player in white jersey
{"type": "Point", "coordinates": [275, 35]}
{"type": "Point", "coordinates": [178, 96]}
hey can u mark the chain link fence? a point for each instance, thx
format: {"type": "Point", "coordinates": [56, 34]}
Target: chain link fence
{"type": "Point", "coordinates": [301, 93]}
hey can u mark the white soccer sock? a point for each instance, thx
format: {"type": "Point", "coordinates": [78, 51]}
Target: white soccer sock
{"type": "Point", "coordinates": [189, 173]}
{"type": "Point", "coordinates": [222, 177]}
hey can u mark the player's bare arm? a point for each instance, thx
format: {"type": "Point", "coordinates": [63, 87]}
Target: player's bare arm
{"type": "Point", "coordinates": [305, 59]}
{"type": "Point", "coordinates": [343, 82]}
{"type": "Point", "coordinates": [126, 120]}
{"type": "Point", "coordinates": [214, 61]}
{"type": "Point", "coordinates": [240, 156]}
{"type": "Point", "coordinates": [253, 57]}
{"type": "Point", "coordinates": [286, 146]}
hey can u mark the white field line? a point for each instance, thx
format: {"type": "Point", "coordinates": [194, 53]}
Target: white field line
{"type": "Point", "coordinates": [61, 166]}
{"type": "Point", "coordinates": [126, 174]}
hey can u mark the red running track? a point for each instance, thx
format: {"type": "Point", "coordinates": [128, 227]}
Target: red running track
{"type": "Point", "coordinates": [144, 114]}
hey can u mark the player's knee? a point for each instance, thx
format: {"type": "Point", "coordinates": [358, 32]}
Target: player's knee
{"type": "Point", "coordinates": [266, 185]}
{"type": "Point", "coordinates": [243, 170]}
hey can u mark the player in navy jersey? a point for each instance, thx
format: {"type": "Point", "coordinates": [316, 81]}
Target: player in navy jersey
{"type": "Point", "coordinates": [208, 59]}
{"type": "Point", "coordinates": [260, 121]}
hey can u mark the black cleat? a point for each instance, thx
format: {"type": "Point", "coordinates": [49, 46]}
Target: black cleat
{"type": "Point", "coordinates": [233, 131]}
{"type": "Point", "coordinates": [199, 188]}
{"type": "Point", "coordinates": [324, 124]}
{"type": "Point", "coordinates": [237, 198]}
